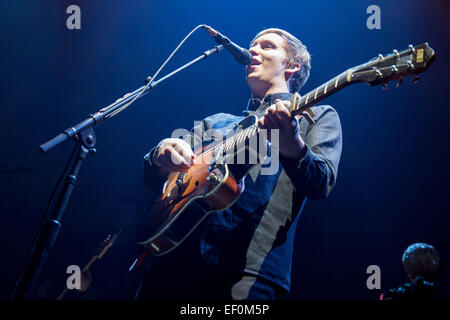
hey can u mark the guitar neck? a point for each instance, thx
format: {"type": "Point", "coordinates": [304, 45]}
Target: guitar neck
{"type": "Point", "coordinates": [379, 70]}
{"type": "Point", "coordinates": [323, 91]}
{"type": "Point", "coordinates": [310, 99]}
{"type": "Point", "coordinates": [231, 142]}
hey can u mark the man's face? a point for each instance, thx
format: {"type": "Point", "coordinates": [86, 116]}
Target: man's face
{"type": "Point", "coordinates": [268, 64]}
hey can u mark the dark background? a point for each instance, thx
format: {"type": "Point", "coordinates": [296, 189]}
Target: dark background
{"type": "Point", "coordinates": [392, 187]}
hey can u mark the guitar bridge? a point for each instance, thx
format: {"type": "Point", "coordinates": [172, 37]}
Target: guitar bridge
{"type": "Point", "coordinates": [180, 179]}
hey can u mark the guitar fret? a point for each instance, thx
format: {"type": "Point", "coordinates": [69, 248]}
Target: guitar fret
{"type": "Point", "coordinates": [253, 130]}
{"type": "Point", "coordinates": [225, 146]}
{"type": "Point", "coordinates": [230, 143]}
{"type": "Point", "coordinates": [334, 83]}
{"type": "Point", "coordinates": [234, 141]}
{"type": "Point", "coordinates": [248, 133]}
{"type": "Point", "coordinates": [245, 134]}
{"type": "Point", "coordinates": [349, 75]}
{"type": "Point", "coordinates": [240, 138]}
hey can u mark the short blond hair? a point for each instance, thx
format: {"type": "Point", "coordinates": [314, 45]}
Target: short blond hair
{"type": "Point", "coordinates": [296, 53]}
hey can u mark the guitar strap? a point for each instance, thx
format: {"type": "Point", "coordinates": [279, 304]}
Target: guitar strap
{"type": "Point", "coordinates": [308, 113]}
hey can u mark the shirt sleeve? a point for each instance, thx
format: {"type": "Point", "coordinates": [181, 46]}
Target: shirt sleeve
{"type": "Point", "coordinates": [315, 174]}
{"type": "Point", "coordinates": [153, 177]}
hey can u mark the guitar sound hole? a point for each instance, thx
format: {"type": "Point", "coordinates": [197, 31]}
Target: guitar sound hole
{"type": "Point", "coordinates": [196, 183]}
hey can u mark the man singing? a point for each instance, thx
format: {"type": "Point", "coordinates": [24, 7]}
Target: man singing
{"type": "Point", "coordinates": [245, 251]}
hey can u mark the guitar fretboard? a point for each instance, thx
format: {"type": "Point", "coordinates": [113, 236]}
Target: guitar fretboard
{"type": "Point", "coordinates": [236, 140]}
{"type": "Point", "coordinates": [311, 98]}
{"type": "Point", "coordinates": [323, 91]}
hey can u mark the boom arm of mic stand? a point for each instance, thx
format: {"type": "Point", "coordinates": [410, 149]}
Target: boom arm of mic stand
{"type": "Point", "coordinates": [97, 118]}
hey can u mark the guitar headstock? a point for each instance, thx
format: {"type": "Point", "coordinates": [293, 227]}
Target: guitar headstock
{"type": "Point", "coordinates": [409, 62]}
{"type": "Point", "coordinates": [106, 244]}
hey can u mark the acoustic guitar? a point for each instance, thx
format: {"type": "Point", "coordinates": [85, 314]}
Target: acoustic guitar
{"type": "Point", "coordinates": [209, 185]}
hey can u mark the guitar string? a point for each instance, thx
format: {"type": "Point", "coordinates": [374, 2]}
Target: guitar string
{"type": "Point", "coordinates": [240, 137]}
{"type": "Point", "coordinates": [236, 139]}
{"type": "Point", "coordinates": [330, 85]}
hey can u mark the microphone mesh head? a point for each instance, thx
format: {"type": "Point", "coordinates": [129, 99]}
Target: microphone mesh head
{"type": "Point", "coordinates": [421, 259]}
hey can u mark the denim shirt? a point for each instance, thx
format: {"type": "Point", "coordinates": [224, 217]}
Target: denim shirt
{"type": "Point", "coordinates": [256, 234]}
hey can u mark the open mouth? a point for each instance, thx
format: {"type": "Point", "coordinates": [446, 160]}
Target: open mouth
{"type": "Point", "coordinates": [253, 64]}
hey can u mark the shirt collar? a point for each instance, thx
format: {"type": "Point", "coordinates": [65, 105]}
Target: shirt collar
{"type": "Point", "coordinates": [255, 103]}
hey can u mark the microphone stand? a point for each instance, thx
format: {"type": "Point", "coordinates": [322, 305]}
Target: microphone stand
{"type": "Point", "coordinates": [83, 134]}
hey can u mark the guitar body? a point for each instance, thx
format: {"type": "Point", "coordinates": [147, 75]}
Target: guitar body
{"type": "Point", "coordinates": [188, 197]}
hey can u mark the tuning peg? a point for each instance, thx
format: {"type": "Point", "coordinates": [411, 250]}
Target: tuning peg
{"type": "Point", "coordinates": [396, 54]}
{"type": "Point", "coordinates": [378, 72]}
{"type": "Point", "coordinates": [384, 87]}
{"type": "Point", "coordinates": [416, 79]}
{"type": "Point", "coordinates": [399, 83]}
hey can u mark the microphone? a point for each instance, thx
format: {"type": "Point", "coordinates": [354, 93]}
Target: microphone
{"type": "Point", "coordinates": [243, 56]}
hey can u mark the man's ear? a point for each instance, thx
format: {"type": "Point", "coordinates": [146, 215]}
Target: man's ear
{"type": "Point", "coordinates": [291, 69]}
